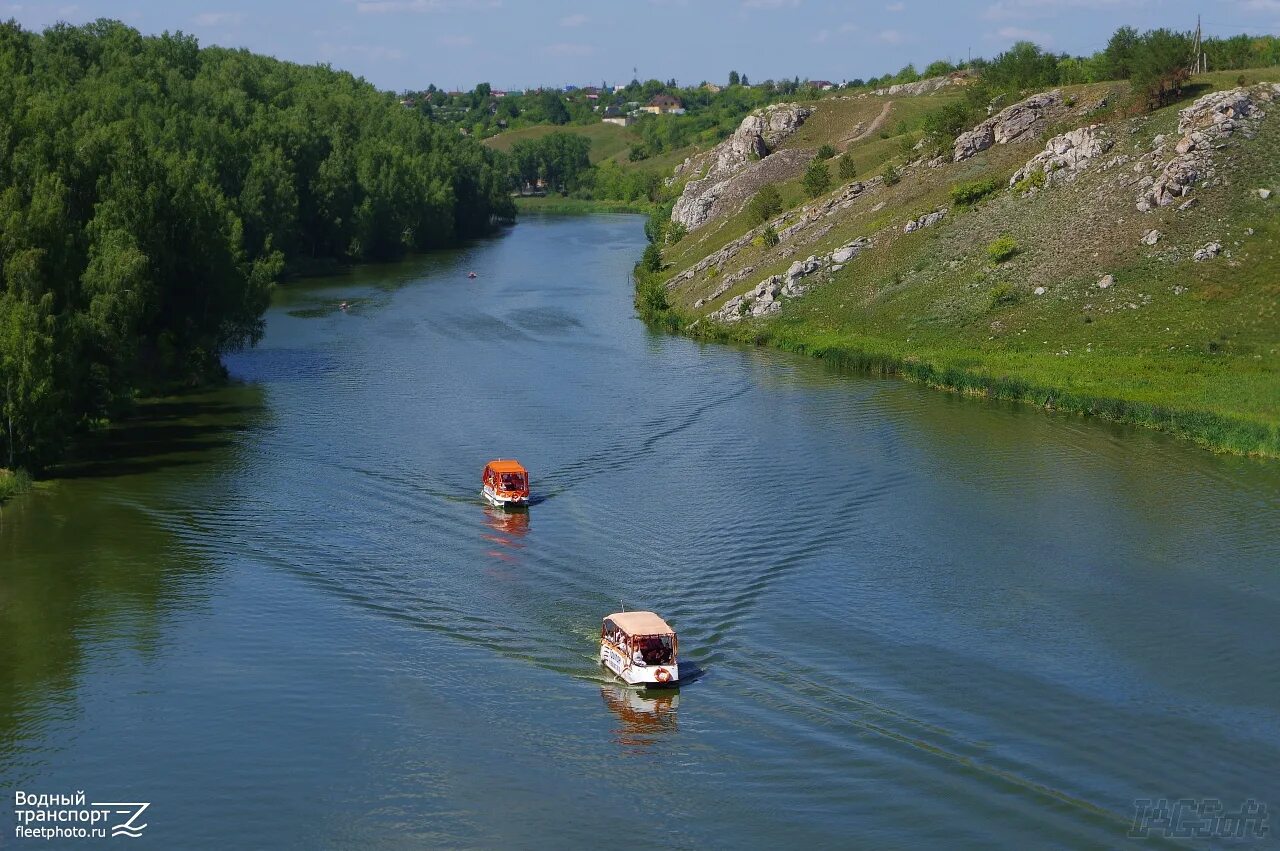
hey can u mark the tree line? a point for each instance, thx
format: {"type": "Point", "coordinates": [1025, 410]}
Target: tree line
{"type": "Point", "coordinates": [153, 191]}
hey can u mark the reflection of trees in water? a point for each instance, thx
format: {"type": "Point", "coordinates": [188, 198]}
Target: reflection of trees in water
{"type": "Point", "coordinates": [645, 717]}
{"type": "Point", "coordinates": [83, 564]}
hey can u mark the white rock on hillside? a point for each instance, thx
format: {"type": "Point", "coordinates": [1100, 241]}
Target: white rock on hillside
{"type": "Point", "coordinates": [1065, 156]}
{"type": "Point", "coordinates": [744, 154]}
{"type": "Point", "coordinates": [920, 87]}
{"type": "Point", "coordinates": [1203, 125]}
{"type": "Point", "coordinates": [927, 220]}
{"type": "Point", "coordinates": [1012, 124]}
{"type": "Point", "coordinates": [766, 297]}
{"type": "Point", "coordinates": [1210, 251]}
{"type": "Point", "coordinates": [1151, 237]}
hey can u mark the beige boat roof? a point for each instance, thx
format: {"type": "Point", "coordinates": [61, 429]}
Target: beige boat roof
{"type": "Point", "coordinates": [640, 623]}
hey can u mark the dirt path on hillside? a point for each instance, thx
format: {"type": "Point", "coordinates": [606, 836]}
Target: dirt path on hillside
{"type": "Point", "coordinates": [875, 125]}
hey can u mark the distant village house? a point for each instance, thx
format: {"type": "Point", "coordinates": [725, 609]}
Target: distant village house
{"type": "Point", "coordinates": [664, 105]}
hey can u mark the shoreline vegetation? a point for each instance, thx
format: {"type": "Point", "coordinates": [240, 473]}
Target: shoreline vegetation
{"type": "Point", "coordinates": [13, 483]}
{"type": "Point", "coordinates": [554, 204]}
{"type": "Point", "coordinates": [955, 373]}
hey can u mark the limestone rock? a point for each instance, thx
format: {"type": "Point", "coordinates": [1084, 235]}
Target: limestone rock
{"type": "Point", "coordinates": [1151, 237]}
{"type": "Point", "coordinates": [927, 220]}
{"type": "Point", "coordinates": [1106, 281]}
{"type": "Point", "coordinates": [1264, 194]}
{"type": "Point", "coordinates": [739, 166]}
{"type": "Point", "coordinates": [1210, 251]}
{"type": "Point", "coordinates": [1065, 156]}
{"type": "Point", "coordinates": [1012, 124]}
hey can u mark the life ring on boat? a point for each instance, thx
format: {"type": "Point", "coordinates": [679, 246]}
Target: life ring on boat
{"type": "Point", "coordinates": [662, 675]}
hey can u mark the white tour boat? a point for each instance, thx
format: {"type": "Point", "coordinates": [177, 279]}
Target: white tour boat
{"type": "Point", "coordinates": [640, 648]}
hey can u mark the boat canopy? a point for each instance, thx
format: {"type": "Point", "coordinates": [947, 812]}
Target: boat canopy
{"type": "Point", "coordinates": [640, 623]}
{"type": "Point", "coordinates": [501, 466]}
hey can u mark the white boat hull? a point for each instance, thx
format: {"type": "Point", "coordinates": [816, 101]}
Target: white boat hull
{"type": "Point", "coordinates": [638, 674]}
{"type": "Point", "coordinates": [500, 501]}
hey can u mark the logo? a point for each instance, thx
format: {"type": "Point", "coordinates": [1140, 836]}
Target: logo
{"type": "Point", "coordinates": [67, 816]}
{"type": "Point", "coordinates": [127, 828]}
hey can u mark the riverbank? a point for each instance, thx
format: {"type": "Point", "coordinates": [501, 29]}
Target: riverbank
{"type": "Point", "coordinates": [579, 206]}
{"type": "Point", "coordinates": [997, 377]}
{"type": "Point", "coordinates": [13, 483]}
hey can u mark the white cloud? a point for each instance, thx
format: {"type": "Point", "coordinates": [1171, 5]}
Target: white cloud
{"type": "Point", "coordinates": [566, 48]}
{"type": "Point", "coordinates": [891, 37]}
{"type": "Point", "coordinates": [575, 20]}
{"type": "Point", "coordinates": [219, 19]}
{"type": "Point", "coordinates": [896, 7]}
{"type": "Point", "coordinates": [455, 40]}
{"type": "Point", "coordinates": [821, 36]}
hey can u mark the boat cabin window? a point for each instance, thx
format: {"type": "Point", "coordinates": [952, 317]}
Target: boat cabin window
{"type": "Point", "coordinates": [513, 481]}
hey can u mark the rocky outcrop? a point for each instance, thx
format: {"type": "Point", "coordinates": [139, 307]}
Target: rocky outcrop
{"type": "Point", "coordinates": [767, 297]}
{"type": "Point", "coordinates": [920, 87]}
{"type": "Point", "coordinates": [925, 221]}
{"type": "Point", "coordinates": [1202, 127]}
{"type": "Point", "coordinates": [1066, 156]}
{"type": "Point", "coordinates": [1016, 123]}
{"type": "Point", "coordinates": [740, 165]}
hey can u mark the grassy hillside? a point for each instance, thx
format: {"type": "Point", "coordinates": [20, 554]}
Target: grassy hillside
{"type": "Point", "coordinates": [607, 140]}
{"type": "Point", "coordinates": [1189, 347]}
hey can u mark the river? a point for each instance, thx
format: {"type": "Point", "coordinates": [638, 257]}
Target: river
{"type": "Point", "coordinates": [281, 614]}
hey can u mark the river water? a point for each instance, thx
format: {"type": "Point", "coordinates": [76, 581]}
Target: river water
{"type": "Point", "coordinates": [281, 614]}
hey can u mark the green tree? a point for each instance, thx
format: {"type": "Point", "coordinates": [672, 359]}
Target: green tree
{"type": "Point", "coordinates": [766, 203]}
{"type": "Point", "coordinates": [1161, 66]}
{"type": "Point", "coordinates": [1120, 53]}
{"type": "Point", "coordinates": [734, 79]}
{"type": "Point", "coordinates": [846, 168]}
{"type": "Point", "coordinates": [817, 178]}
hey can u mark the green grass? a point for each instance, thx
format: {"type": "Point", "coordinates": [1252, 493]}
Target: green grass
{"type": "Point", "coordinates": [607, 140]}
{"type": "Point", "coordinates": [13, 483]}
{"type": "Point", "coordinates": [578, 206]}
{"type": "Point", "coordinates": [1192, 349]}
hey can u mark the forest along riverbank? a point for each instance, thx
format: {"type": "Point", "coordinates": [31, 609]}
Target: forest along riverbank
{"type": "Point", "coordinates": [289, 590]}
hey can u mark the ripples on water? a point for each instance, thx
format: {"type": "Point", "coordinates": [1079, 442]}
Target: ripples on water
{"type": "Point", "coordinates": [908, 618]}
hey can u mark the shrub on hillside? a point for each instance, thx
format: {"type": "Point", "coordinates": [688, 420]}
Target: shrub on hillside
{"type": "Point", "coordinates": [1034, 180]}
{"type": "Point", "coordinates": [825, 152]}
{"type": "Point", "coordinates": [845, 168]}
{"type": "Point", "coordinates": [766, 204]}
{"type": "Point", "coordinates": [890, 175]}
{"type": "Point", "coordinates": [652, 260]}
{"type": "Point", "coordinates": [817, 178]}
{"type": "Point", "coordinates": [968, 194]}
{"type": "Point", "coordinates": [1002, 249]}
{"type": "Point", "coordinates": [1003, 294]}
{"type": "Point", "coordinates": [770, 237]}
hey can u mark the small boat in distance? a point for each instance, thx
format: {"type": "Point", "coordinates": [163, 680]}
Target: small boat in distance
{"type": "Point", "coordinates": [471, 274]}
{"type": "Point", "coordinates": [505, 484]}
{"type": "Point", "coordinates": [640, 648]}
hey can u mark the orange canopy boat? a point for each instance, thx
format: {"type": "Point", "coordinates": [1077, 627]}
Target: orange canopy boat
{"type": "Point", "coordinates": [506, 483]}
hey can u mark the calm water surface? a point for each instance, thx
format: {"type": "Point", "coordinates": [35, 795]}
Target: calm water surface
{"type": "Point", "coordinates": [282, 615]}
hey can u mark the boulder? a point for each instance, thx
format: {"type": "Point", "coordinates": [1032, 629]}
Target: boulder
{"type": "Point", "coordinates": [1012, 124]}
{"type": "Point", "coordinates": [1208, 252]}
{"type": "Point", "coordinates": [927, 220]}
{"type": "Point", "coordinates": [1264, 194]}
{"type": "Point", "coordinates": [1151, 237]}
{"type": "Point", "coordinates": [1106, 281]}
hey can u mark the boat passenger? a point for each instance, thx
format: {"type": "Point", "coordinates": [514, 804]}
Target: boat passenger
{"type": "Point", "coordinates": [638, 657]}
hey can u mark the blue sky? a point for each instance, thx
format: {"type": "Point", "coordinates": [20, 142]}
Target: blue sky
{"type": "Point", "coordinates": [399, 44]}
